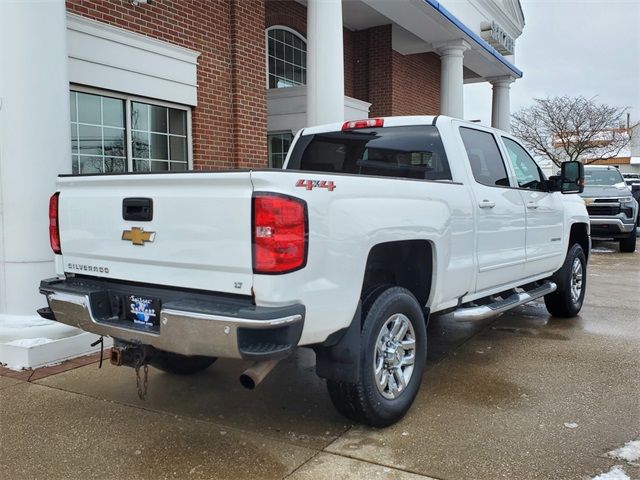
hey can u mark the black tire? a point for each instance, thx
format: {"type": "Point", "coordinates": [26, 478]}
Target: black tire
{"type": "Point", "coordinates": [181, 364]}
{"type": "Point", "coordinates": [562, 303]}
{"type": "Point", "coordinates": [362, 401]}
{"type": "Point", "coordinates": [628, 245]}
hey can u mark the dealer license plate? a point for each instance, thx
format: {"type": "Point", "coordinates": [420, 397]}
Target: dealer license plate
{"type": "Point", "coordinates": [143, 310]}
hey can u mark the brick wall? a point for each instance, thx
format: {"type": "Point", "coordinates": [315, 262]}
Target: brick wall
{"type": "Point", "coordinates": [230, 121]}
{"type": "Point", "coordinates": [380, 71]}
{"type": "Point", "coordinates": [248, 72]}
{"type": "Point", "coordinates": [393, 83]}
{"type": "Point", "coordinates": [287, 13]}
{"type": "Point", "coordinates": [360, 58]}
{"type": "Point", "coordinates": [416, 84]}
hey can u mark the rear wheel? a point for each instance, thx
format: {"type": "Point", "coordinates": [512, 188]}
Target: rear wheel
{"type": "Point", "coordinates": [628, 245]}
{"type": "Point", "coordinates": [181, 364]}
{"type": "Point", "coordinates": [571, 280]}
{"type": "Point", "coordinates": [392, 358]}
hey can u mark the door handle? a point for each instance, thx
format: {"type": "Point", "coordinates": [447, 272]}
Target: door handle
{"type": "Point", "coordinates": [487, 204]}
{"type": "Point", "coordinates": [532, 205]}
{"type": "Point", "coordinates": [137, 209]}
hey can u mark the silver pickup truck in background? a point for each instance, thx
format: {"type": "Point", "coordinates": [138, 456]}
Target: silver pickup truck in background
{"type": "Point", "coordinates": [613, 212]}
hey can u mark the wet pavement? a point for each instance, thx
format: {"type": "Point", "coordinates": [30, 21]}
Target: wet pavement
{"type": "Point", "coordinates": [525, 396]}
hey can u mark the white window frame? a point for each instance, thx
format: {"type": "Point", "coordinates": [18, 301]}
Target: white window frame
{"type": "Point", "coordinates": [127, 124]}
{"type": "Point", "coordinates": [266, 49]}
{"type": "Point", "coordinates": [279, 132]}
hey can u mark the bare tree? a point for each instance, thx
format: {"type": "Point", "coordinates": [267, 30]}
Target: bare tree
{"type": "Point", "coordinates": [572, 128]}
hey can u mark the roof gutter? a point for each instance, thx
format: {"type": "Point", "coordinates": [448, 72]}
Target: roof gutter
{"type": "Point", "coordinates": [473, 36]}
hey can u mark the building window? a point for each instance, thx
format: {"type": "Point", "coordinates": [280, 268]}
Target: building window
{"type": "Point", "coordinates": [279, 144]}
{"type": "Point", "coordinates": [159, 138]}
{"type": "Point", "coordinates": [97, 134]}
{"type": "Point", "coordinates": [123, 134]}
{"type": "Point", "coordinates": [287, 58]}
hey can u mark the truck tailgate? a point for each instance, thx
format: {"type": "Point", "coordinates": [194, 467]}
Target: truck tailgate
{"type": "Point", "coordinates": [199, 236]}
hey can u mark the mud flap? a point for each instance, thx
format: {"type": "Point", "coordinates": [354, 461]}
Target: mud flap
{"type": "Point", "coordinates": [338, 358]}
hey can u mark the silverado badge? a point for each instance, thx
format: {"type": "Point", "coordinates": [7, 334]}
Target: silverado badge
{"type": "Point", "coordinates": [138, 236]}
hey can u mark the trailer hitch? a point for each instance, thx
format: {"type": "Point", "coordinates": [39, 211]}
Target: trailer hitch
{"type": "Point", "coordinates": [136, 356]}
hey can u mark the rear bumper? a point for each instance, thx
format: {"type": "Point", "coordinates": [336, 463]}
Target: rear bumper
{"type": "Point", "coordinates": [189, 323]}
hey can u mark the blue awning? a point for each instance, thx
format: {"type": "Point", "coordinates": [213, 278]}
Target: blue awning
{"type": "Point", "coordinates": [472, 36]}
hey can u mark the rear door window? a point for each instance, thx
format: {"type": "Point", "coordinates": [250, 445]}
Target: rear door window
{"type": "Point", "coordinates": [485, 158]}
{"type": "Point", "coordinates": [407, 152]}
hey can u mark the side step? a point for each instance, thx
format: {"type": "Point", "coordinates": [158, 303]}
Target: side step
{"type": "Point", "coordinates": [489, 310]}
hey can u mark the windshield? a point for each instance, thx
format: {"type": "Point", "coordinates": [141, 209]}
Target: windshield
{"type": "Point", "coordinates": [602, 177]}
{"type": "Point", "coordinates": [631, 178]}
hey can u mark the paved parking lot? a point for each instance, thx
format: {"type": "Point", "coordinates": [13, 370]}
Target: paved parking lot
{"type": "Point", "coordinates": [525, 396]}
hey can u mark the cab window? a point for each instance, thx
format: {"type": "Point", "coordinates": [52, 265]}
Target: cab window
{"type": "Point", "coordinates": [485, 158]}
{"type": "Point", "coordinates": [414, 152]}
{"type": "Point", "coordinates": [527, 172]}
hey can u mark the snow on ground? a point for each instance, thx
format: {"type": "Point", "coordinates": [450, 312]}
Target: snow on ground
{"type": "Point", "coordinates": [602, 250]}
{"type": "Point", "coordinates": [23, 321]}
{"type": "Point", "coordinates": [616, 473]}
{"type": "Point", "coordinates": [29, 342]}
{"type": "Point", "coordinates": [629, 453]}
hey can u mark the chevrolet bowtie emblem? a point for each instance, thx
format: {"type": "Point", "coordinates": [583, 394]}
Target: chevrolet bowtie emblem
{"type": "Point", "coordinates": [138, 236]}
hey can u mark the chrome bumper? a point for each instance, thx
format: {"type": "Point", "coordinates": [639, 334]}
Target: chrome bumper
{"type": "Point", "coordinates": [189, 332]}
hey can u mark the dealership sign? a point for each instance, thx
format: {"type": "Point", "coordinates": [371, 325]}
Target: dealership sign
{"type": "Point", "coordinates": [497, 37]}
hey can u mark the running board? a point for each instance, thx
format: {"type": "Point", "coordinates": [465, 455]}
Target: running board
{"type": "Point", "coordinates": [482, 312]}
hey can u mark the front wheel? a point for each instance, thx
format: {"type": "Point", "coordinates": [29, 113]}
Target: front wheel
{"type": "Point", "coordinates": [393, 353]}
{"type": "Point", "coordinates": [571, 280]}
{"type": "Point", "coordinates": [628, 245]}
{"type": "Point", "coordinates": [181, 364]}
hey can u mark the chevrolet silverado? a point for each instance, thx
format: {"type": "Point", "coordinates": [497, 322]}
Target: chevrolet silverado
{"type": "Point", "coordinates": [371, 227]}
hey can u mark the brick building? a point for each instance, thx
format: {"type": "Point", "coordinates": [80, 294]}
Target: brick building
{"type": "Point", "coordinates": [207, 58]}
{"type": "Point", "coordinates": [112, 86]}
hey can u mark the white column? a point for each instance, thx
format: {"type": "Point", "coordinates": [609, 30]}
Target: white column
{"type": "Point", "coordinates": [500, 103]}
{"type": "Point", "coordinates": [451, 77]}
{"type": "Point", "coordinates": [325, 62]}
{"type": "Point", "coordinates": [35, 146]}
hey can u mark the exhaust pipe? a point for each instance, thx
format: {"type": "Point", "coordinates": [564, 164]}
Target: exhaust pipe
{"type": "Point", "coordinates": [257, 372]}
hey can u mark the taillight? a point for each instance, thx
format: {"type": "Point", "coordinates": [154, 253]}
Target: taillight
{"type": "Point", "coordinates": [54, 230]}
{"type": "Point", "coordinates": [366, 123]}
{"type": "Point", "coordinates": [280, 231]}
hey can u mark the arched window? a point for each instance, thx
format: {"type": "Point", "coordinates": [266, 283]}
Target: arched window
{"type": "Point", "coordinates": [287, 58]}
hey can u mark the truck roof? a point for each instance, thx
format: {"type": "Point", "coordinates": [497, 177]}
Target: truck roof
{"type": "Point", "coordinates": [600, 167]}
{"type": "Point", "coordinates": [400, 121]}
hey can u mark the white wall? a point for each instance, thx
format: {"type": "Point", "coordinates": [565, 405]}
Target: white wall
{"type": "Point", "coordinates": [112, 58]}
{"type": "Point", "coordinates": [287, 109]}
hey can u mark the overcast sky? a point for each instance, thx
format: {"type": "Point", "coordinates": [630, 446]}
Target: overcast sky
{"type": "Point", "coordinates": [572, 47]}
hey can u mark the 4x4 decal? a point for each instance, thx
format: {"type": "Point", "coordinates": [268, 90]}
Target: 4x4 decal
{"type": "Point", "coordinates": [311, 184]}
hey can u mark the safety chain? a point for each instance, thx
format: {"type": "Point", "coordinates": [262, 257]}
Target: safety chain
{"type": "Point", "coordinates": [143, 384]}
{"type": "Point", "coordinates": [101, 342]}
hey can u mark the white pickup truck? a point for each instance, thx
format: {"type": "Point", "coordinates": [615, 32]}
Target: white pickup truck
{"type": "Point", "coordinates": [371, 227]}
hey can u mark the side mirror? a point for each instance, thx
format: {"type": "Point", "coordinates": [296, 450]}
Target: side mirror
{"type": "Point", "coordinates": [572, 177]}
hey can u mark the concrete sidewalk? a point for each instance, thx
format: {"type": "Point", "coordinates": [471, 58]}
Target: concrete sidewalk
{"type": "Point", "coordinates": [525, 396]}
